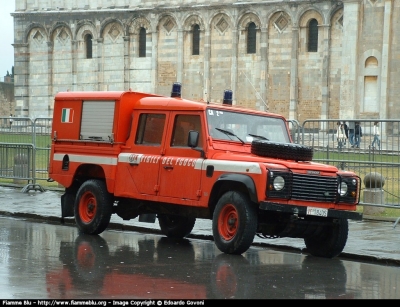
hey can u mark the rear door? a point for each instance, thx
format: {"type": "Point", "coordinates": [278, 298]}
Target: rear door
{"type": "Point", "coordinates": [138, 165]}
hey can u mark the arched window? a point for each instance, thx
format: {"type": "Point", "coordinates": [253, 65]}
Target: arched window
{"type": "Point", "coordinates": [251, 38]}
{"type": "Point", "coordinates": [142, 43]}
{"type": "Point", "coordinates": [313, 36]}
{"type": "Point", "coordinates": [88, 45]}
{"type": "Point", "coordinates": [196, 40]}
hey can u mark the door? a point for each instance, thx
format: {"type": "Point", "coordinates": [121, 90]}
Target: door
{"type": "Point", "coordinates": [180, 169]}
{"type": "Point", "coordinates": [138, 166]}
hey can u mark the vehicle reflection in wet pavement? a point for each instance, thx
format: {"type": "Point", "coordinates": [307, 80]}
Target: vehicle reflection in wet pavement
{"type": "Point", "coordinates": [53, 261]}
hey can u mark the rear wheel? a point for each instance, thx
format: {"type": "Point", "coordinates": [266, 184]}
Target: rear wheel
{"type": "Point", "coordinates": [234, 223]}
{"type": "Point", "coordinates": [175, 226]}
{"type": "Point", "coordinates": [331, 241]}
{"type": "Point", "coordinates": [93, 207]}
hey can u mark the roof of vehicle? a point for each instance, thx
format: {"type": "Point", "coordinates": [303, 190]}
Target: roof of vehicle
{"type": "Point", "coordinates": [99, 95]}
{"type": "Point", "coordinates": [153, 101]}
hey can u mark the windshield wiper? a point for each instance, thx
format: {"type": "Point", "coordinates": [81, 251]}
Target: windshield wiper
{"type": "Point", "coordinates": [229, 133]}
{"type": "Point", "coordinates": [258, 136]}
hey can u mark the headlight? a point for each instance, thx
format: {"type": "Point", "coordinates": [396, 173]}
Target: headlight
{"type": "Point", "coordinates": [342, 190]}
{"type": "Point", "coordinates": [349, 189]}
{"type": "Point", "coordinates": [279, 183]}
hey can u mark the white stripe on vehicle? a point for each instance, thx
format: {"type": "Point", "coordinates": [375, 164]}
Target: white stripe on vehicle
{"type": "Point", "coordinates": [86, 159]}
{"type": "Point", "coordinates": [198, 164]}
{"type": "Point", "coordinates": [233, 166]}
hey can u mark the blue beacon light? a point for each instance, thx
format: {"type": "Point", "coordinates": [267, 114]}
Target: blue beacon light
{"type": "Point", "coordinates": [228, 97]}
{"type": "Point", "coordinates": [176, 90]}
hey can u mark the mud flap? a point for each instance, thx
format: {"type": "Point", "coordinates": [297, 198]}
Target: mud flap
{"type": "Point", "coordinates": [147, 218]}
{"type": "Point", "coordinates": [67, 206]}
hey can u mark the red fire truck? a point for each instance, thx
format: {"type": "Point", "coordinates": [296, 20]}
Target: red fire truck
{"type": "Point", "coordinates": [167, 158]}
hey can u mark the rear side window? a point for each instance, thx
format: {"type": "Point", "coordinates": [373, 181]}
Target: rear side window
{"type": "Point", "coordinates": [151, 128]}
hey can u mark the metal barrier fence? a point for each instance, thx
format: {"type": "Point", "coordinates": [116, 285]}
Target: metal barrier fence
{"type": "Point", "coordinates": [23, 139]}
{"type": "Point", "coordinates": [25, 150]}
{"type": "Point", "coordinates": [16, 161]}
{"type": "Point", "coordinates": [378, 166]}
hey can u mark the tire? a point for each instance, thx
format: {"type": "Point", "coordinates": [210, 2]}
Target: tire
{"type": "Point", "coordinates": [286, 151]}
{"type": "Point", "coordinates": [93, 207]}
{"type": "Point", "coordinates": [331, 242]}
{"type": "Point", "coordinates": [234, 223]}
{"type": "Point", "coordinates": [175, 226]}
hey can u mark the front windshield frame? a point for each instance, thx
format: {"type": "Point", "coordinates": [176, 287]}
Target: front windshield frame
{"type": "Point", "coordinates": [245, 127]}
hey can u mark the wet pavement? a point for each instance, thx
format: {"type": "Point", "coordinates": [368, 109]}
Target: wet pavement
{"type": "Point", "coordinates": [40, 260]}
{"type": "Point", "coordinates": [369, 239]}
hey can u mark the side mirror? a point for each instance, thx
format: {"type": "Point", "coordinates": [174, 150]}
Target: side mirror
{"type": "Point", "coordinates": [193, 138]}
{"type": "Point", "coordinates": [193, 142]}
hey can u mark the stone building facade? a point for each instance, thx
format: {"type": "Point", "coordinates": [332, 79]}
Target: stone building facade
{"type": "Point", "coordinates": [300, 58]}
{"type": "Point", "coordinates": [7, 100]}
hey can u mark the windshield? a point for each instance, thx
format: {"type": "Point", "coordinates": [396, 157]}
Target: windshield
{"type": "Point", "coordinates": [242, 127]}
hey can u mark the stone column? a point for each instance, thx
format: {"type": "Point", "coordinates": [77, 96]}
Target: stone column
{"type": "Point", "coordinates": [234, 70]}
{"type": "Point", "coordinates": [207, 54]}
{"type": "Point", "coordinates": [263, 69]}
{"type": "Point", "coordinates": [74, 47]}
{"type": "Point", "coordinates": [154, 60]}
{"type": "Point", "coordinates": [21, 79]}
{"type": "Point", "coordinates": [348, 80]}
{"type": "Point", "coordinates": [325, 29]}
{"type": "Point", "coordinates": [386, 43]}
{"type": "Point", "coordinates": [179, 76]}
{"type": "Point", "coordinates": [126, 63]}
{"type": "Point", "coordinates": [100, 65]}
{"type": "Point", "coordinates": [50, 50]}
{"type": "Point", "coordinates": [294, 99]}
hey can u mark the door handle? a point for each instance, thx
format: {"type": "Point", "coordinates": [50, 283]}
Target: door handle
{"type": "Point", "coordinates": [168, 167]}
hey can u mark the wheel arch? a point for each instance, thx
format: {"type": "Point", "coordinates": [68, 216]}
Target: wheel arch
{"type": "Point", "coordinates": [91, 171]}
{"type": "Point", "coordinates": [83, 173]}
{"type": "Point", "coordinates": [228, 182]}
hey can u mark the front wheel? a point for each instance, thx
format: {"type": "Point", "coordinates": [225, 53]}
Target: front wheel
{"type": "Point", "coordinates": [331, 242]}
{"type": "Point", "coordinates": [93, 207]}
{"type": "Point", "coordinates": [234, 223]}
{"type": "Point", "coordinates": [175, 226]}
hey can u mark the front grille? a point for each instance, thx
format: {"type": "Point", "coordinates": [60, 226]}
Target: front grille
{"type": "Point", "coordinates": [314, 188]}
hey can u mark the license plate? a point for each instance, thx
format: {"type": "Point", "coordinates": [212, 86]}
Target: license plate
{"type": "Point", "coordinates": [317, 211]}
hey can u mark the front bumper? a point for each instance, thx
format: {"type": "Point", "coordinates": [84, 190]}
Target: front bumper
{"type": "Point", "coordinates": [302, 211]}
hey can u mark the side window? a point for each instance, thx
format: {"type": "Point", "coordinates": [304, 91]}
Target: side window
{"type": "Point", "coordinates": [182, 125]}
{"type": "Point", "coordinates": [150, 130]}
{"type": "Point", "coordinates": [251, 38]}
{"type": "Point", "coordinates": [196, 40]}
{"type": "Point", "coordinates": [313, 36]}
{"type": "Point", "coordinates": [142, 43]}
{"type": "Point", "coordinates": [88, 45]}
